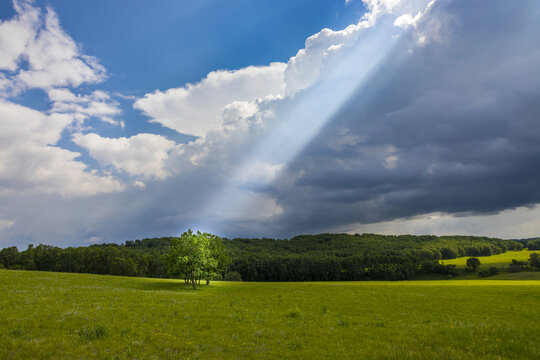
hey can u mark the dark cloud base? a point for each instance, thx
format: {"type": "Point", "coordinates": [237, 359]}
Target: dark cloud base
{"type": "Point", "coordinates": [461, 116]}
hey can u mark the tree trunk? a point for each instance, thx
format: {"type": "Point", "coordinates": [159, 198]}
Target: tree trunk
{"type": "Point", "coordinates": [193, 283]}
{"type": "Point", "coordinates": [207, 282]}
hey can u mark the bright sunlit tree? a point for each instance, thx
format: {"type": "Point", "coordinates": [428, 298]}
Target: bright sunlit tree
{"type": "Point", "coordinates": [195, 256]}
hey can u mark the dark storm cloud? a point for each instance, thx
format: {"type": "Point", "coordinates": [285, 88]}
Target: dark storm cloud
{"type": "Point", "coordinates": [452, 126]}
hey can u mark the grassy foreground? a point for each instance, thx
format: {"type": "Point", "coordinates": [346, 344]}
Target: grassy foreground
{"type": "Point", "coordinates": [57, 315]}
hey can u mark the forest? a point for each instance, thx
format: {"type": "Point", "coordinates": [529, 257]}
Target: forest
{"type": "Point", "coordinates": [322, 257]}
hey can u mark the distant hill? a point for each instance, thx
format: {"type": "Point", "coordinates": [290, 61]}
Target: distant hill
{"type": "Point", "coordinates": [530, 243]}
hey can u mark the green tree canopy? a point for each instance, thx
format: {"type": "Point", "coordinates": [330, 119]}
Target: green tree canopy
{"type": "Point", "coordinates": [473, 264]}
{"type": "Point", "coordinates": [534, 260]}
{"type": "Point", "coordinates": [192, 256]}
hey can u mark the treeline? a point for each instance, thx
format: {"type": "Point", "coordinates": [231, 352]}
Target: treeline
{"type": "Point", "coordinates": [335, 257]}
{"type": "Point", "coordinates": [533, 244]}
{"type": "Point", "coordinates": [110, 259]}
{"type": "Point", "coordinates": [320, 257]}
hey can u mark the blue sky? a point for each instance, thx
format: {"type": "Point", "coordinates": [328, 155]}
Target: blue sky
{"type": "Point", "coordinates": [130, 119]}
{"type": "Point", "coordinates": [146, 47]}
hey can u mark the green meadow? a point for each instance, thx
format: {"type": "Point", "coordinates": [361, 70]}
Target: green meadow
{"type": "Point", "coordinates": [499, 260]}
{"type": "Point", "coordinates": [76, 316]}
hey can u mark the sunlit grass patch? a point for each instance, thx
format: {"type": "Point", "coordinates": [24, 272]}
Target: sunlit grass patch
{"type": "Point", "coordinates": [499, 259]}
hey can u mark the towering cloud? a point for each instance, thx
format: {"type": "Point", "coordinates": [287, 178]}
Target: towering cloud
{"type": "Point", "coordinates": [195, 109]}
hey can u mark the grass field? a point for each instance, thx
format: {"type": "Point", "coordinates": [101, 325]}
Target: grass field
{"type": "Point", "coordinates": [74, 316]}
{"type": "Point", "coordinates": [499, 260]}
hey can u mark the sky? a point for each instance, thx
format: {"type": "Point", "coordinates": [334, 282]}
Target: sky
{"type": "Point", "coordinates": [131, 119]}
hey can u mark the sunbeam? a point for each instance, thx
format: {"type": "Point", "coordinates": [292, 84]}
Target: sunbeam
{"type": "Point", "coordinates": [298, 125]}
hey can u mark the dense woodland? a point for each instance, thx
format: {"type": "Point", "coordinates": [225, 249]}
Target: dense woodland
{"type": "Point", "coordinates": [303, 258]}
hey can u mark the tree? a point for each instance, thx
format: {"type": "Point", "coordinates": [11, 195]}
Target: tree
{"type": "Point", "coordinates": [45, 257]}
{"type": "Point", "coordinates": [9, 256]}
{"type": "Point", "coordinates": [534, 260]}
{"type": "Point", "coordinates": [190, 257]}
{"type": "Point", "coordinates": [26, 258]}
{"type": "Point", "coordinates": [533, 244]}
{"type": "Point", "coordinates": [473, 264]}
{"type": "Point", "coordinates": [219, 254]}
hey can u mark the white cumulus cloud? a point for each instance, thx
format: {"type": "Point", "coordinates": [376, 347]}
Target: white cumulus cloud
{"type": "Point", "coordinates": [142, 155]}
{"type": "Point", "coordinates": [15, 34]}
{"type": "Point", "coordinates": [29, 161]}
{"type": "Point", "coordinates": [53, 59]}
{"type": "Point", "coordinates": [194, 109]}
{"type": "Point", "coordinates": [81, 107]}
{"type": "Point", "coordinates": [35, 52]}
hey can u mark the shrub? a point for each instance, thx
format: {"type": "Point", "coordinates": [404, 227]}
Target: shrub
{"type": "Point", "coordinates": [483, 273]}
{"type": "Point", "coordinates": [2, 266]}
{"type": "Point", "coordinates": [493, 270]}
{"type": "Point", "coordinates": [233, 276]}
{"type": "Point", "coordinates": [217, 277]}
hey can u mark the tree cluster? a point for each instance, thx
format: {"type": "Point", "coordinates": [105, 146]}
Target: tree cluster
{"type": "Point", "coordinates": [532, 264]}
{"type": "Point", "coordinates": [533, 244]}
{"type": "Point", "coordinates": [356, 257]}
{"type": "Point", "coordinates": [110, 259]}
{"type": "Point", "coordinates": [473, 264]}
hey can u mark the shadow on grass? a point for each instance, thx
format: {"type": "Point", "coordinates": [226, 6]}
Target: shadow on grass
{"type": "Point", "coordinates": [164, 285]}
